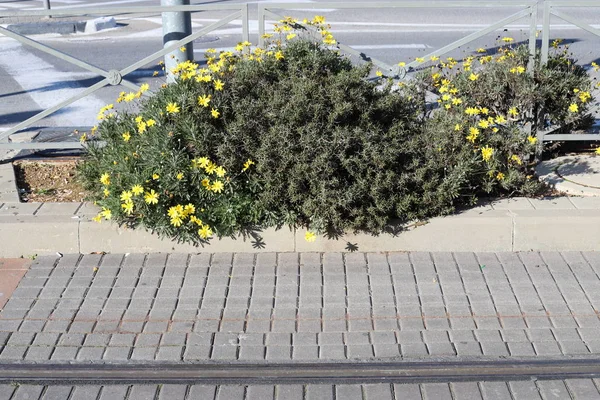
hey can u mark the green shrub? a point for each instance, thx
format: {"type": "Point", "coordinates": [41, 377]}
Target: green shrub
{"type": "Point", "coordinates": [295, 134]}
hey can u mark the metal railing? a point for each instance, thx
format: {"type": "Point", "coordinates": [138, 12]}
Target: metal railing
{"type": "Point", "coordinates": [550, 9]}
{"type": "Point", "coordinates": [529, 10]}
{"type": "Point", "coordinates": [114, 76]}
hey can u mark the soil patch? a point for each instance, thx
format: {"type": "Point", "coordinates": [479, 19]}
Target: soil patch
{"type": "Point", "coordinates": [49, 181]}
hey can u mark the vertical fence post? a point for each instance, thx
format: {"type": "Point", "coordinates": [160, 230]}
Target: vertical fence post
{"type": "Point", "coordinates": [261, 25]}
{"type": "Point", "coordinates": [176, 26]}
{"type": "Point", "coordinates": [47, 6]}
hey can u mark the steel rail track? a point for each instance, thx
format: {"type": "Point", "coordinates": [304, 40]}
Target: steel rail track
{"type": "Point", "coordinates": [319, 372]}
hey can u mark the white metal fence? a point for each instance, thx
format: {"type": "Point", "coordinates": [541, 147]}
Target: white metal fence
{"type": "Point", "coordinates": [529, 9]}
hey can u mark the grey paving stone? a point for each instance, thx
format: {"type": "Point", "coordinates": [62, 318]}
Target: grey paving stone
{"type": "Point", "coordinates": [172, 392]}
{"type": "Point", "coordinates": [289, 392]}
{"type": "Point", "coordinates": [319, 392]}
{"type": "Point", "coordinates": [547, 348]}
{"type": "Point", "coordinates": [142, 392]}
{"type": "Point", "coordinates": [230, 392]}
{"type": "Point", "coordinates": [413, 349]}
{"type": "Point", "coordinates": [441, 349]}
{"type": "Point", "coordinates": [436, 336]}
{"type": "Point", "coordinates": [332, 352]}
{"type": "Point", "coordinates": [64, 353]}
{"type": "Point", "coordinates": [39, 353]}
{"type": "Point", "coordinates": [524, 390]}
{"type": "Point", "coordinates": [117, 353]}
{"type": "Point", "coordinates": [436, 391]}
{"type": "Point", "coordinates": [260, 392]}
{"type": "Point", "coordinates": [466, 390]}
{"type": "Point", "coordinates": [82, 392]}
{"type": "Point", "coordinates": [207, 392]}
{"type": "Point", "coordinates": [485, 335]}
{"type": "Point", "coordinates": [350, 392]}
{"type": "Point", "coordinates": [57, 392]}
{"type": "Point", "coordinates": [144, 353]}
{"type": "Point", "coordinates": [304, 352]}
{"type": "Point", "coordinates": [583, 389]}
{"type": "Point", "coordinates": [359, 351]}
{"type": "Point", "coordinates": [276, 352]}
{"type": "Point", "coordinates": [407, 391]}
{"type": "Point", "coordinates": [197, 352]}
{"type": "Point", "coordinates": [553, 389]}
{"type": "Point", "coordinates": [6, 390]}
{"type": "Point", "coordinates": [468, 348]}
{"type": "Point", "coordinates": [573, 347]}
{"type": "Point", "coordinates": [13, 353]}
{"type": "Point", "coordinates": [495, 390]}
{"type": "Point", "coordinates": [386, 350]}
{"type": "Point", "coordinates": [540, 335]}
{"type": "Point", "coordinates": [494, 349]}
{"type": "Point", "coordinates": [520, 349]}
{"type": "Point", "coordinates": [28, 392]}
{"type": "Point", "coordinates": [224, 352]}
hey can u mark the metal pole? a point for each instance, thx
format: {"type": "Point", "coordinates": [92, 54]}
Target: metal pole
{"type": "Point", "coordinates": [176, 26]}
{"type": "Point", "coordinates": [47, 6]}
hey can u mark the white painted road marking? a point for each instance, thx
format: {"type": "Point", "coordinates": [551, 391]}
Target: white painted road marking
{"type": "Point", "coordinates": [46, 86]}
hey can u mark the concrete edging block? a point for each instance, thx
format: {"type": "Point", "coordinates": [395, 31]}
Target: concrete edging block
{"type": "Point", "coordinates": [548, 230]}
{"type": "Point", "coordinates": [491, 232]}
{"type": "Point", "coordinates": [25, 235]}
{"type": "Point", "coordinates": [114, 239]}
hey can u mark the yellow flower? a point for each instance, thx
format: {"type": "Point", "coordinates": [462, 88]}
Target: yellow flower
{"type": "Point", "coordinates": [151, 197]}
{"type": "Point", "coordinates": [481, 50]}
{"type": "Point", "coordinates": [513, 111]}
{"type": "Point", "coordinates": [176, 221]}
{"type": "Point", "coordinates": [105, 179]}
{"type": "Point", "coordinates": [127, 207]}
{"type": "Point", "coordinates": [473, 76]}
{"type": "Point", "coordinates": [205, 232]}
{"type": "Point", "coordinates": [106, 213]}
{"type": "Point", "coordinates": [595, 66]}
{"type": "Point", "coordinates": [457, 127]}
{"type": "Point", "coordinates": [401, 64]}
{"type": "Point", "coordinates": [144, 87]}
{"type": "Point", "coordinates": [584, 96]}
{"type": "Point", "coordinates": [206, 183]}
{"type": "Point", "coordinates": [419, 59]}
{"type": "Point", "coordinates": [137, 190]}
{"type": "Point", "coordinates": [532, 140]}
{"type": "Point", "coordinates": [279, 55]}
{"type": "Point", "coordinates": [173, 108]}
{"type": "Point", "coordinates": [597, 150]}
{"type": "Point", "coordinates": [520, 69]}
{"type": "Point", "coordinates": [516, 159]}
{"type": "Point", "coordinates": [247, 165]}
{"type": "Point", "coordinates": [500, 176]}
{"type": "Point", "coordinates": [155, 73]}
{"type": "Point", "coordinates": [500, 119]}
{"type": "Point", "coordinates": [129, 97]}
{"type": "Point", "coordinates": [220, 171]}
{"type": "Point", "coordinates": [456, 101]}
{"type": "Point", "coordinates": [218, 85]}
{"type": "Point", "coordinates": [310, 236]}
{"type": "Point", "coordinates": [195, 220]}
{"type": "Point", "coordinates": [83, 137]}
{"type": "Point", "coordinates": [434, 58]}
{"type": "Point", "coordinates": [573, 108]}
{"type": "Point", "coordinates": [472, 111]}
{"type": "Point", "coordinates": [201, 162]}
{"type": "Point", "coordinates": [217, 186]}
{"type": "Point", "coordinates": [150, 123]}
{"type": "Point", "coordinates": [508, 39]}
{"type": "Point", "coordinates": [189, 209]}
{"type": "Point", "coordinates": [214, 113]}
{"type": "Point", "coordinates": [379, 74]}
{"type": "Point", "coordinates": [126, 196]}
{"type": "Point", "coordinates": [290, 36]}
{"type": "Point", "coordinates": [484, 124]}
{"type": "Point", "coordinates": [487, 153]}
{"type": "Point", "coordinates": [204, 100]}
{"type": "Point", "coordinates": [126, 136]}
{"type": "Point", "coordinates": [473, 134]}
{"type": "Point", "coordinates": [139, 119]}
{"type": "Point", "coordinates": [106, 192]}
{"type": "Point", "coordinates": [141, 127]}
{"type": "Point", "coordinates": [97, 218]}
{"type": "Point", "coordinates": [155, 176]}
{"type": "Point", "coordinates": [180, 176]}
{"type": "Point", "coordinates": [182, 49]}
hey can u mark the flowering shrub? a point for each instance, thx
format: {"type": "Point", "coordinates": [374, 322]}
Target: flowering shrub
{"type": "Point", "coordinates": [295, 134]}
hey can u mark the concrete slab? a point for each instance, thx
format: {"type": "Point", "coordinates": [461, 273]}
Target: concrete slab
{"type": "Point", "coordinates": [112, 238]}
{"type": "Point", "coordinates": [550, 230]}
{"type": "Point", "coordinates": [490, 231]}
{"type": "Point", "coordinates": [24, 235]}
{"type": "Point", "coordinates": [577, 175]}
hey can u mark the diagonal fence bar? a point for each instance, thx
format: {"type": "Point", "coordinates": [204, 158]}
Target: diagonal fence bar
{"type": "Point", "coordinates": [112, 77]}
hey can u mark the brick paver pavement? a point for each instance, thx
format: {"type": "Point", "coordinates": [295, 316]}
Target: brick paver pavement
{"type": "Point", "coordinates": [580, 389]}
{"type": "Point", "coordinates": [307, 306]}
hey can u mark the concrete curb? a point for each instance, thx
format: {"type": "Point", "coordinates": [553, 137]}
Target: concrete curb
{"type": "Point", "coordinates": [518, 224]}
{"type": "Point", "coordinates": [63, 27]}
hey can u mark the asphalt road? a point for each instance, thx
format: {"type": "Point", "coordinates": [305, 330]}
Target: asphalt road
{"type": "Point", "coordinates": [32, 80]}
